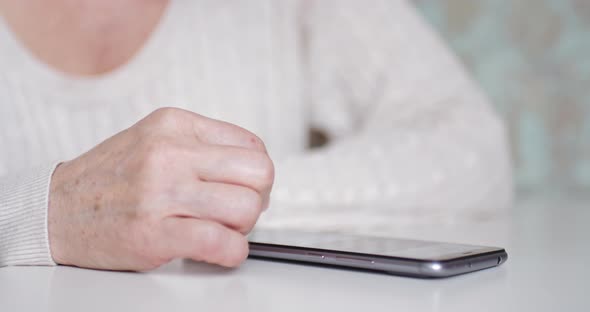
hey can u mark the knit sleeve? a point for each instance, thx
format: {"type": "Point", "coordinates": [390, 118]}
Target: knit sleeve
{"type": "Point", "coordinates": [412, 137]}
{"type": "Point", "coordinates": [23, 218]}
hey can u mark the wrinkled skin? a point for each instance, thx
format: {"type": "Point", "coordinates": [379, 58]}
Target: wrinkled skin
{"type": "Point", "coordinates": [174, 185]}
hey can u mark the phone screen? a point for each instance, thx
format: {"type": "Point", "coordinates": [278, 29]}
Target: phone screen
{"type": "Point", "coordinates": [388, 247]}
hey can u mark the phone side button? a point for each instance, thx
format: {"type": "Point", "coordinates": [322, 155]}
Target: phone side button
{"type": "Point", "coordinates": [316, 255]}
{"type": "Point", "coordinates": [353, 259]}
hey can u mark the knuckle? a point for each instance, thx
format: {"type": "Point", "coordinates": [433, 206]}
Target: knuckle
{"type": "Point", "coordinates": [166, 113]}
{"type": "Point", "coordinates": [165, 117]}
{"type": "Point", "coordinates": [157, 152]}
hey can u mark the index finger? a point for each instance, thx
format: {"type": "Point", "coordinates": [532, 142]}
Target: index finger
{"type": "Point", "coordinates": [219, 132]}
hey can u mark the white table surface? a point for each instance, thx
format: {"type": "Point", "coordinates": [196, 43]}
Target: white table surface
{"type": "Point", "coordinates": [547, 270]}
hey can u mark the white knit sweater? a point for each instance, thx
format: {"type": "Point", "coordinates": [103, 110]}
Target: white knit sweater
{"type": "Point", "coordinates": [412, 137]}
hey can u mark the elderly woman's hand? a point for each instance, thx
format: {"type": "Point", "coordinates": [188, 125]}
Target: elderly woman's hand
{"type": "Point", "coordinates": [174, 185]}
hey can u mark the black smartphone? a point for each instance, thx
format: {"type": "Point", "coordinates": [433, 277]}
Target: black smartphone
{"type": "Point", "coordinates": [406, 257]}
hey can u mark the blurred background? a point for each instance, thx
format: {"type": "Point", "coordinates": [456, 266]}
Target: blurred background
{"type": "Point", "coordinates": [532, 57]}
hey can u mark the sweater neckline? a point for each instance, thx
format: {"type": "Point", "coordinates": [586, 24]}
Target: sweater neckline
{"type": "Point", "coordinates": [141, 67]}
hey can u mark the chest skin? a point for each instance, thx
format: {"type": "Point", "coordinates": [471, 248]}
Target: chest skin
{"type": "Point", "coordinates": [236, 62]}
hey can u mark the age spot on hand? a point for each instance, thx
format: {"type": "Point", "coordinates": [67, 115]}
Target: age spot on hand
{"type": "Point", "coordinates": [97, 199]}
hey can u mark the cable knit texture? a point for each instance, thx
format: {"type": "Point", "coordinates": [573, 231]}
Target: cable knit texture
{"type": "Point", "coordinates": [412, 139]}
